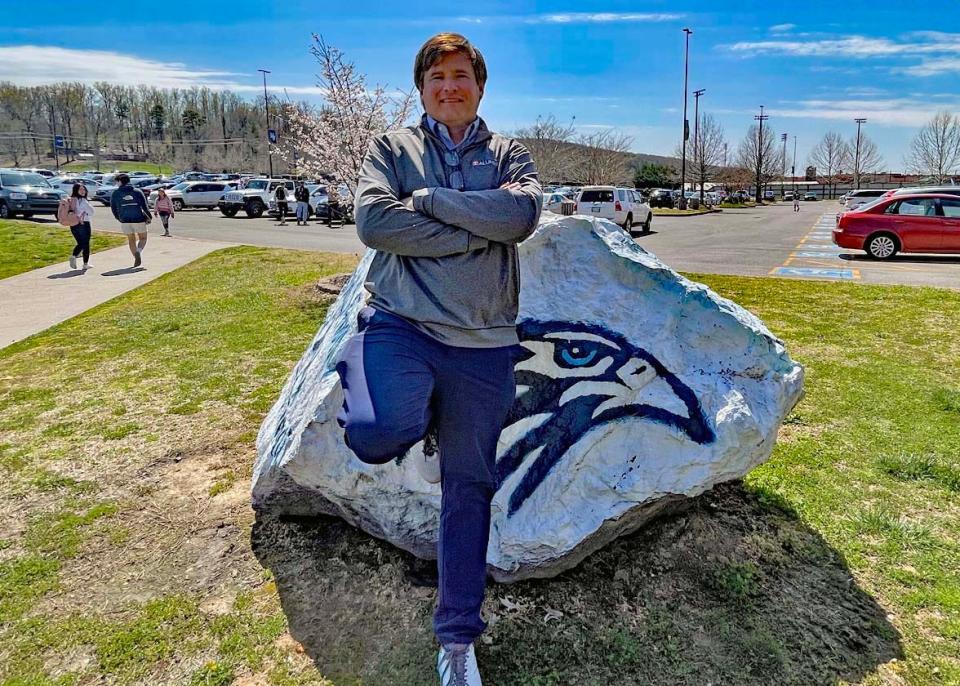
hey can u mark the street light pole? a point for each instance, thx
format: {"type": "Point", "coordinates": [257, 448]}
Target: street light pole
{"type": "Point", "coordinates": [761, 117]}
{"type": "Point", "coordinates": [856, 163]}
{"type": "Point", "coordinates": [697, 146]}
{"type": "Point", "coordinates": [783, 137]}
{"type": "Point", "coordinates": [686, 124]}
{"type": "Point", "coordinates": [793, 167]}
{"type": "Point", "coordinates": [266, 110]}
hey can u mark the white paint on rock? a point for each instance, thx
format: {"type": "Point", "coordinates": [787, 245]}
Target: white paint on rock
{"type": "Point", "coordinates": [609, 477]}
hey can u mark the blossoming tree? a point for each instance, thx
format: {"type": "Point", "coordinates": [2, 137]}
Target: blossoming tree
{"type": "Point", "coordinates": [331, 140]}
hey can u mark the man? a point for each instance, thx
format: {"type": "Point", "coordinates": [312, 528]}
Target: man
{"type": "Point", "coordinates": [281, 196]}
{"type": "Point", "coordinates": [129, 207]}
{"type": "Point", "coordinates": [302, 196]}
{"type": "Point", "coordinates": [444, 204]}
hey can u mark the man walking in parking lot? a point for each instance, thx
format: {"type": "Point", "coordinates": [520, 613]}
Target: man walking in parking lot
{"type": "Point", "coordinates": [281, 197]}
{"type": "Point", "coordinates": [444, 204]}
{"type": "Point", "coordinates": [130, 208]}
{"type": "Point", "coordinates": [302, 196]}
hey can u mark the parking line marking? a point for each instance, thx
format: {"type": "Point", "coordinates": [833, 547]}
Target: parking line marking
{"type": "Point", "coordinates": [816, 255]}
{"type": "Point", "coordinates": [816, 272]}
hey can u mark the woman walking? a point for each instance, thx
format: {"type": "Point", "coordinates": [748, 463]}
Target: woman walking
{"type": "Point", "coordinates": [81, 231]}
{"type": "Point", "coordinates": [164, 210]}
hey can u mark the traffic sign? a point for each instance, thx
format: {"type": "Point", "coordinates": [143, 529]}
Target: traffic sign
{"type": "Point", "coordinates": [272, 136]}
{"type": "Point", "coordinates": [59, 142]}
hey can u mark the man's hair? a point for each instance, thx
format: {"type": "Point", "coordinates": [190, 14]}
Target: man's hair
{"type": "Point", "coordinates": [440, 46]}
{"type": "Point", "coordinates": [123, 179]}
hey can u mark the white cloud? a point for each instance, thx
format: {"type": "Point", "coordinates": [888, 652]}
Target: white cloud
{"type": "Point", "coordinates": [943, 65]}
{"type": "Point", "coordinates": [575, 18]}
{"type": "Point", "coordinates": [904, 112]}
{"type": "Point", "coordinates": [853, 46]}
{"type": "Point", "coordinates": [782, 28]}
{"type": "Point", "coordinates": [33, 65]}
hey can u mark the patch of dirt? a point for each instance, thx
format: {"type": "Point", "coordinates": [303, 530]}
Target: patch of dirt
{"type": "Point", "coordinates": [183, 540]}
{"type": "Point", "coordinates": [732, 591]}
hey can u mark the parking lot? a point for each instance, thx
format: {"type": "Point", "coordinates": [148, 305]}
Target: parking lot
{"type": "Point", "coordinates": [760, 241]}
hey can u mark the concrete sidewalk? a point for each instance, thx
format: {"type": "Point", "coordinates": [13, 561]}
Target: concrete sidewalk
{"type": "Point", "coordinates": [37, 300]}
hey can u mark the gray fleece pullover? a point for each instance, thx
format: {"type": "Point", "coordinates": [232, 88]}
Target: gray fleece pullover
{"type": "Point", "coordinates": [449, 265]}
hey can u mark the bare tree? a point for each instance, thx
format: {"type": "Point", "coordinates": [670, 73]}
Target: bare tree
{"type": "Point", "coordinates": [868, 160]}
{"type": "Point", "coordinates": [759, 155]}
{"type": "Point", "coordinates": [549, 144]}
{"type": "Point", "coordinates": [830, 156]}
{"type": "Point", "coordinates": [936, 149]}
{"type": "Point", "coordinates": [334, 139]}
{"type": "Point", "coordinates": [705, 154]}
{"type": "Point", "coordinates": [603, 157]}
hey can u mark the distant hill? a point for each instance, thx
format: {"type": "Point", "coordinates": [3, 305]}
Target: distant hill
{"type": "Point", "coordinates": [631, 160]}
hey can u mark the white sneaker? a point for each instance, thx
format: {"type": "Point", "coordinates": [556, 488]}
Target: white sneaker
{"type": "Point", "coordinates": [86, 266]}
{"type": "Point", "coordinates": [457, 665]}
{"type": "Point", "coordinates": [428, 467]}
{"type": "Point", "coordinates": [73, 262]}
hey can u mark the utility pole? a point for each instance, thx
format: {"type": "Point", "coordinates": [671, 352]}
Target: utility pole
{"type": "Point", "coordinates": [697, 145]}
{"type": "Point", "coordinates": [856, 163]}
{"type": "Point", "coordinates": [793, 167]}
{"type": "Point", "coordinates": [686, 124]}
{"type": "Point", "coordinates": [266, 110]}
{"type": "Point", "coordinates": [783, 137]}
{"type": "Point", "coordinates": [761, 118]}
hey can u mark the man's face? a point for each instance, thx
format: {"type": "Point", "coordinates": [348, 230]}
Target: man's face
{"type": "Point", "coordinates": [450, 91]}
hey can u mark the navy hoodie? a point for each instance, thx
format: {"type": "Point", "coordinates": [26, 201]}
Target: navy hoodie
{"type": "Point", "coordinates": [129, 206]}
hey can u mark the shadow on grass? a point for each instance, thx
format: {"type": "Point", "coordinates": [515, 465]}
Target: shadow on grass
{"type": "Point", "coordinates": [733, 590]}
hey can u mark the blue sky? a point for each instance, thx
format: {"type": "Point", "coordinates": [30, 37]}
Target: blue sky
{"type": "Point", "coordinates": [608, 64]}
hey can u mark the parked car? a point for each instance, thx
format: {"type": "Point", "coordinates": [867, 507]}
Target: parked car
{"type": "Point", "coordinates": [661, 197]}
{"type": "Point", "coordinates": [46, 173]}
{"type": "Point", "coordinates": [553, 202]}
{"type": "Point", "coordinates": [622, 206]}
{"type": "Point", "coordinates": [254, 199]}
{"type": "Point", "coordinates": [26, 194]}
{"type": "Point", "coordinates": [769, 195]}
{"type": "Point", "coordinates": [860, 197]}
{"type": "Point", "coordinates": [926, 222]}
{"type": "Point", "coordinates": [105, 193]}
{"type": "Point", "coordinates": [810, 195]}
{"type": "Point", "coordinates": [318, 205]}
{"type": "Point", "coordinates": [949, 190]}
{"type": "Point", "coordinates": [65, 183]}
{"type": "Point", "coordinates": [193, 194]}
{"type": "Point", "coordinates": [788, 196]}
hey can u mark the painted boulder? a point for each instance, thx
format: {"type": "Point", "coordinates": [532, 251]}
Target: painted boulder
{"type": "Point", "coordinates": [639, 389]}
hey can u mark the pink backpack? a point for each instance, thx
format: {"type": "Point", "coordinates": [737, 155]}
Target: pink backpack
{"type": "Point", "coordinates": [67, 212]}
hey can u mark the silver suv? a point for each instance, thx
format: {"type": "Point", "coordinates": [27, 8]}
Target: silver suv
{"type": "Point", "coordinates": [27, 194]}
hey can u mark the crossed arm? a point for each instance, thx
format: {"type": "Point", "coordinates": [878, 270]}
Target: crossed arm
{"type": "Point", "coordinates": [436, 222]}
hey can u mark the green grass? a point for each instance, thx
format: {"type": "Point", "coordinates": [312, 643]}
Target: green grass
{"type": "Point", "coordinates": [28, 245]}
{"type": "Point", "coordinates": [108, 166]}
{"type": "Point", "coordinates": [136, 559]}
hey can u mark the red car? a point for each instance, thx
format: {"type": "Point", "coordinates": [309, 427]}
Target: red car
{"type": "Point", "coordinates": [927, 222]}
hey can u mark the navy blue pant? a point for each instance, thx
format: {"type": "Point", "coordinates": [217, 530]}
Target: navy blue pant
{"type": "Point", "coordinates": [397, 381]}
{"type": "Point", "coordinates": [81, 234]}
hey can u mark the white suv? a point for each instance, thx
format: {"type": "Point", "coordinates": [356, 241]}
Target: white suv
{"type": "Point", "coordinates": [860, 197]}
{"type": "Point", "coordinates": [622, 206]}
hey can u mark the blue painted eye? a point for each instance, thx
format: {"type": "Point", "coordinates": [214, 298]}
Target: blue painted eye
{"type": "Point", "coordinates": [575, 354]}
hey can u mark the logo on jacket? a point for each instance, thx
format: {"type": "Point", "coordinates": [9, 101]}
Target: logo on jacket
{"type": "Point", "coordinates": [574, 377]}
{"type": "Point", "coordinates": [482, 163]}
